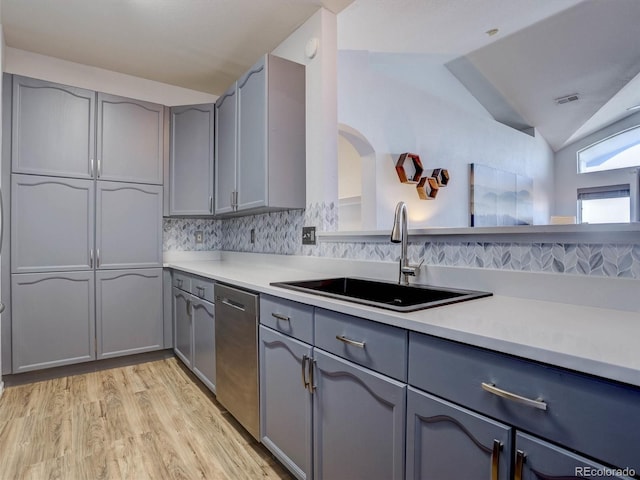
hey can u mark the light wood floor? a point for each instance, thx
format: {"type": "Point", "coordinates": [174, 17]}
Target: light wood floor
{"type": "Point", "coordinates": [147, 421]}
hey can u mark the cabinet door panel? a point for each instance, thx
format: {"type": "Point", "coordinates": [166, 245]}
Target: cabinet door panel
{"type": "Point", "coordinates": [53, 129]}
{"type": "Point", "coordinates": [445, 441]}
{"type": "Point", "coordinates": [130, 140]}
{"type": "Point", "coordinates": [191, 160]}
{"type": "Point", "coordinates": [51, 224]}
{"type": "Point", "coordinates": [537, 459]}
{"type": "Point", "coordinates": [252, 138]}
{"type": "Point", "coordinates": [182, 331]}
{"type": "Point", "coordinates": [204, 345]}
{"type": "Point", "coordinates": [129, 312]}
{"type": "Point", "coordinates": [53, 320]}
{"type": "Point", "coordinates": [128, 225]}
{"type": "Point", "coordinates": [285, 404]}
{"type": "Point", "coordinates": [225, 150]}
{"type": "Point", "coordinates": [359, 422]}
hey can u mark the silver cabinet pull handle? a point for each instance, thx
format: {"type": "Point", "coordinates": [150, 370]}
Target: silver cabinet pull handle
{"type": "Point", "coordinates": [98, 258]}
{"type": "Point", "coordinates": [312, 385]}
{"type": "Point", "coordinates": [348, 341]}
{"type": "Point", "coordinates": [200, 291]}
{"type": "Point", "coordinates": [1, 307]}
{"type": "Point", "coordinates": [91, 258]}
{"type": "Point", "coordinates": [495, 459]}
{"type": "Point", "coordinates": [520, 457]}
{"type": "Point", "coordinates": [305, 384]}
{"type": "Point", "coordinates": [210, 204]}
{"type": "Point", "coordinates": [91, 167]}
{"type": "Point", "coordinates": [189, 307]}
{"type": "Point", "coordinates": [279, 316]}
{"type": "Point", "coordinates": [237, 306]}
{"type": "Point", "coordinates": [232, 195]}
{"type": "Point", "coordinates": [99, 168]}
{"type": "Point", "coordinates": [179, 282]}
{"type": "Point", "coordinates": [491, 388]}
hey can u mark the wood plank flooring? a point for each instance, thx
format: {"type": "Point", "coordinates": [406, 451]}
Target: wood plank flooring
{"type": "Point", "coordinates": [146, 421]}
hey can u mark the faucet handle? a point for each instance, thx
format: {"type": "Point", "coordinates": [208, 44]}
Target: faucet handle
{"type": "Point", "coordinates": [412, 269]}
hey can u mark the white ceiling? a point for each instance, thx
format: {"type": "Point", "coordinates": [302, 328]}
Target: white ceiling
{"type": "Point", "coordinates": [198, 44]}
{"type": "Point", "coordinates": [545, 49]}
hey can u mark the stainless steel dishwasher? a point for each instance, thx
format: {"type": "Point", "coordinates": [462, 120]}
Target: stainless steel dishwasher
{"type": "Point", "coordinates": [237, 355]}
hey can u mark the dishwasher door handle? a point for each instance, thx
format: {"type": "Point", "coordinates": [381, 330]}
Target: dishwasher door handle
{"type": "Point", "coordinates": [231, 303]}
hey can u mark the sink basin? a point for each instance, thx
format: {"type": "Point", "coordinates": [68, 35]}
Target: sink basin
{"type": "Point", "coordinates": [378, 293]}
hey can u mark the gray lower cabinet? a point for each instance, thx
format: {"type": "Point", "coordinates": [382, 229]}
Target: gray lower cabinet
{"type": "Point", "coordinates": [128, 225]}
{"type": "Point", "coordinates": [52, 129]}
{"type": "Point", "coordinates": [53, 321]}
{"type": "Point", "coordinates": [204, 342]}
{"type": "Point", "coordinates": [191, 160]}
{"type": "Point", "coordinates": [52, 224]}
{"type": "Point", "coordinates": [129, 312]}
{"type": "Point", "coordinates": [536, 459]}
{"type": "Point", "coordinates": [358, 421]}
{"type": "Point", "coordinates": [286, 405]}
{"type": "Point", "coordinates": [445, 441]}
{"type": "Point", "coordinates": [194, 326]}
{"type": "Point", "coordinates": [182, 332]}
{"type": "Point", "coordinates": [130, 140]}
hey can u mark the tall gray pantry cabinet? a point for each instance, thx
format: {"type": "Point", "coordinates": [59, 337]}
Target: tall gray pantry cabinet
{"type": "Point", "coordinates": [86, 225]}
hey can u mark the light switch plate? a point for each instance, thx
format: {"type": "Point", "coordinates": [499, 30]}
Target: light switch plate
{"type": "Point", "coordinates": [308, 235]}
{"type": "Point", "coordinates": [199, 238]}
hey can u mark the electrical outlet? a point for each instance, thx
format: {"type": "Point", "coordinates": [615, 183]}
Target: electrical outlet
{"type": "Point", "coordinates": [308, 235]}
{"type": "Point", "coordinates": [253, 235]}
{"type": "Point", "coordinates": [199, 237]}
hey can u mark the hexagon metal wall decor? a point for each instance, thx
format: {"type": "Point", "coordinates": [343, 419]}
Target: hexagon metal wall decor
{"type": "Point", "coordinates": [409, 168]}
{"type": "Point", "coordinates": [427, 188]}
{"type": "Point", "coordinates": [442, 176]}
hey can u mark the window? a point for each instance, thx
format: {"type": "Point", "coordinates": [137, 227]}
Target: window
{"type": "Point", "coordinates": [611, 204]}
{"type": "Point", "coordinates": [621, 150]}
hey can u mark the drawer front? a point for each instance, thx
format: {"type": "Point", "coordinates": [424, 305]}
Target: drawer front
{"type": "Point", "coordinates": [291, 318]}
{"type": "Point", "coordinates": [182, 281]}
{"type": "Point", "coordinates": [583, 413]}
{"type": "Point", "coordinates": [203, 288]}
{"type": "Point", "coordinates": [382, 348]}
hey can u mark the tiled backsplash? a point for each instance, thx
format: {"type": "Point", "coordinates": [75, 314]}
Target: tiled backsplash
{"type": "Point", "coordinates": [281, 233]}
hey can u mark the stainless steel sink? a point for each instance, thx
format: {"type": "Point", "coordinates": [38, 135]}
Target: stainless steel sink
{"type": "Point", "coordinates": [389, 295]}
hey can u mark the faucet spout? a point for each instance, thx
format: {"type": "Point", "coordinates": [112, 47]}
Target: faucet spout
{"type": "Point", "coordinates": [399, 235]}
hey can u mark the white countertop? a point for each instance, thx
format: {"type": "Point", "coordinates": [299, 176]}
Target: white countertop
{"type": "Point", "coordinates": [597, 341]}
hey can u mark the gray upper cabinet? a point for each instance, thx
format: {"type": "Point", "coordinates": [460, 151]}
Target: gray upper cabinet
{"type": "Point", "coordinates": [226, 128]}
{"type": "Point", "coordinates": [447, 441]}
{"type": "Point", "coordinates": [260, 140]}
{"type": "Point", "coordinates": [52, 129]}
{"type": "Point", "coordinates": [53, 321]}
{"type": "Point", "coordinates": [191, 160]}
{"type": "Point", "coordinates": [129, 316]}
{"type": "Point", "coordinates": [252, 138]}
{"type": "Point", "coordinates": [358, 421]}
{"type": "Point", "coordinates": [52, 224]}
{"type": "Point", "coordinates": [128, 225]}
{"type": "Point", "coordinates": [130, 140]}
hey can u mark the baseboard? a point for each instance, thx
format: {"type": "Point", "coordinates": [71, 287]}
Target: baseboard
{"type": "Point", "coordinates": [1, 389]}
{"type": "Point", "coordinates": [87, 367]}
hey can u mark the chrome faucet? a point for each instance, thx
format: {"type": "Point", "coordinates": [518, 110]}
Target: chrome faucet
{"type": "Point", "coordinates": [399, 235]}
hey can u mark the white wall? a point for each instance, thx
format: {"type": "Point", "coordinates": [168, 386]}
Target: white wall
{"type": "Point", "coordinates": [34, 65]}
{"type": "Point", "coordinates": [322, 123]}
{"type": "Point", "coordinates": [411, 103]}
{"type": "Point", "coordinates": [568, 180]}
